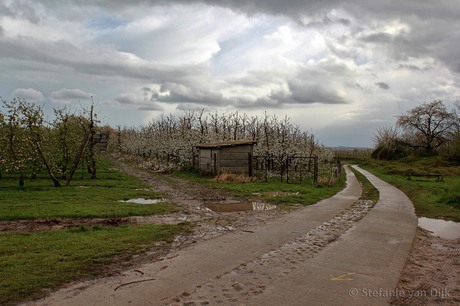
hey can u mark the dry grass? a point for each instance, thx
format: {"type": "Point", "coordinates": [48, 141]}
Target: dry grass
{"type": "Point", "coordinates": [230, 177]}
{"type": "Point", "coordinates": [328, 182]}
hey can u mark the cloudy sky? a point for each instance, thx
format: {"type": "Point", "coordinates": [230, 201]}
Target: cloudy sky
{"type": "Point", "coordinates": [339, 69]}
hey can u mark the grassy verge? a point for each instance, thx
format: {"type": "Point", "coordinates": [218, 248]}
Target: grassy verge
{"type": "Point", "coordinates": [273, 191]}
{"type": "Point", "coordinates": [83, 198]}
{"type": "Point", "coordinates": [31, 262]}
{"type": "Point", "coordinates": [431, 199]}
{"type": "Point", "coordinates": [369, 191]}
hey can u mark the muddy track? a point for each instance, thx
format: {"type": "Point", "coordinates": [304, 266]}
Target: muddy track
{"type": "Point", "coordinates": [191, 199]}
{"type": "Point", "coordinates": [188, 197]}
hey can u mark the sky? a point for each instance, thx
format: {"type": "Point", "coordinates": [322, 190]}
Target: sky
{"type": "Point", "coordinates": [338, 69]}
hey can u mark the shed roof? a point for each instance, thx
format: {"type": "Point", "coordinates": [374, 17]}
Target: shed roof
{"type": "Point", "coordinates": [232, 143]}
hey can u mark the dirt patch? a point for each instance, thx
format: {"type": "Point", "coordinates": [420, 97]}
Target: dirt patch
{"type": "Point", "coordinates": [190, 199]}
{"type": "Point", "coordinates": [193, 200]}
{"type": "Point", "coordinates": [38, 225]}
{"type": "Point", "coordinates": [432, 272]}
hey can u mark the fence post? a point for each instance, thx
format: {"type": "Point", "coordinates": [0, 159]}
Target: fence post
{"type": "Point", "coordinates": [250, 164]}
{"type": "Point", "coordinates": [315, 169]}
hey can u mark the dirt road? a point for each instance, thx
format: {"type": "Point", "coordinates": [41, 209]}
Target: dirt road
{"type": "Point", "coordinates": [290, 239]}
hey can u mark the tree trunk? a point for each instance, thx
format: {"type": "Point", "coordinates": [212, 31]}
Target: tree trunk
{"type": "Point", "coordinates": [92, 160]}
{"type": "Point", "coordinates": [77, 159]}
{"type": "Point", "coordinates": [47, 166]}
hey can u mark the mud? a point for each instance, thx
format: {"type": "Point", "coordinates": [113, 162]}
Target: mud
{"type": "Point", "coordinates": [38, 225]}
{"type": "Point", "coordinates": [190, 199]}
{"type": "Point", "coordinates": [432, 272]}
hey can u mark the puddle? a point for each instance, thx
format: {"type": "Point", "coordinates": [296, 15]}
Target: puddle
{"type": "Point", "coordinates": [240, 206]}
{"type": "Point", "coordinates": [276, 193]}
{"type": "Point", "coordinates": [143, 201]}
{"type": "Point", "coordinates": [441, 228]}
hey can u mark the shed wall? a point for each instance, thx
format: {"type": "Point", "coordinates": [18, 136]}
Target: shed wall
{"type": "Point", "coordinates": [232, 159]}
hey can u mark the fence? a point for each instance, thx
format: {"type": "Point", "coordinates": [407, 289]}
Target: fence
{"type": "Point", "coordinates": [289, 168]}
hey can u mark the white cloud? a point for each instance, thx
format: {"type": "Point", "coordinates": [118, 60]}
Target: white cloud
{"type": "Point", "coordinates": [348, 65]}
{"type": "Point", "coordinates": [29, 94]}
{"type": "Point", "coordinates": [67, 95]}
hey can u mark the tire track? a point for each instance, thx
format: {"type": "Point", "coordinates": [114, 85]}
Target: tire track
{"type": "Point", "coordinates": [252, 278]}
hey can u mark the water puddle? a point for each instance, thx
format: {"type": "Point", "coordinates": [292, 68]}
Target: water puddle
{"type": "Point", "coordinates": [240, 206]}
{"type": "Point", "coordinates": [276, 194]}
{"type": "Point", "coordinates": [143, 201]}
{"type": "Point", "coordinates": [441, 228]}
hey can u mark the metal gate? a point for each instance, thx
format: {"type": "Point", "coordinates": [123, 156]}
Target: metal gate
{"type": "Point", "coordinates": [291, 169]}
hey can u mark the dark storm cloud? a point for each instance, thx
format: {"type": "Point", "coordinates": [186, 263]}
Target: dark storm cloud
{"type": "Point", "coordinates": [446, 9]}
{"type": "Point", "coordinates": [409, 67]}
{"type": "Point", "coordinates": [127, 100]}
{"type": "Point", "coordinates": [441, 9]}
{"type": "Point", "coordinates": [383, 85]}
{"type": "Point", "coordinates": [138, 102]}
{"type": "Point", "coordinates": [378, 38]}
{"type": "Point", "coordinates": [435, 30]}
{"type": "Point", "coordinates": [5, 10]}
{"type": "Point", "coordinates": [20, 9]}
{"type": "Point", "coordinates": [326, 21]}
{"type": "Point", "coordinates": [179, 93]}
{"type": "Point", "coordinates": [312, 93]}
{"type": "Point", "coordinates": [95, 62]}
{"type": "Point", "coordinates": [153, 107]}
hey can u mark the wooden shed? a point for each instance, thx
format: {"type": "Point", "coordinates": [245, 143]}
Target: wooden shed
{"type": "Point", "coordinates": [226, 157]}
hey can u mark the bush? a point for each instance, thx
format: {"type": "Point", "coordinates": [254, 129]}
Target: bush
{"type": "Point", "coordinates": [385, 153]}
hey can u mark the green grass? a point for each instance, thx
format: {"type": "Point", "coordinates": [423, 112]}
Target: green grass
{"type": "Point", "coordinates": [296, 194]}
{"type": "Point", "coordinates": [431, 199]}
{"type": "Point", "coordinates": [84, 198]}
{"type": "Point", "coordinates": [31, 262]}
{"type": "Point", "coordinates": [369, 191]}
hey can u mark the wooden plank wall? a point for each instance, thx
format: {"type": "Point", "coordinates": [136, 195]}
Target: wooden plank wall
{"type": "Point", "coordinates": [228, 160]}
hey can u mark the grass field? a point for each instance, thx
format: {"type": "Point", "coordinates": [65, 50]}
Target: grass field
{"type": "Point", "coordinates": [31, 262]}
{"type": "Point", "coordinates": [304, 193]}
{"type": "Point", "coordinates": [83, 198]}
{"type": "Point", "coordinates": [431, 199]}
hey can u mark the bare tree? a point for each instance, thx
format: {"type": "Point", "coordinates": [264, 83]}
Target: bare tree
{"type": "Point", "coordinates": [386, 137]}
{"type": "Point", "coordinates": [427, 126]}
